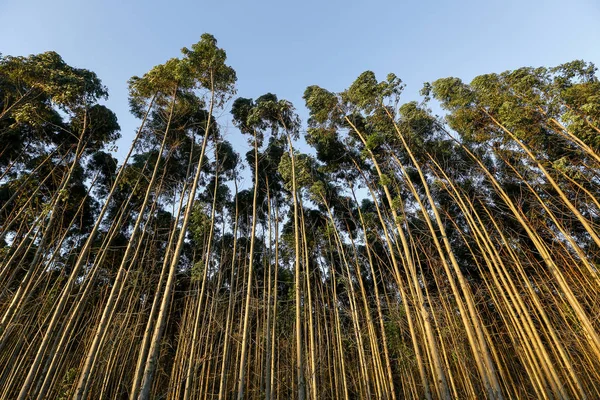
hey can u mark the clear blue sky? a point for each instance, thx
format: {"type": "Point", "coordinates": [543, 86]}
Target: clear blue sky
{"type": "Point", "coordinates": [284, 46]}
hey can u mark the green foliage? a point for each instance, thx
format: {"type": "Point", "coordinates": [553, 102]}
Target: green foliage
{"type": "Point", "coordinates": [202, 67]}
{"type": "Point", "coordinates": [525, 101]}
{"type": "Point", "coordinates": [305, 170]}
{"type": "Point", "coordinates": [199, 223]}
{"type": "Point", "coordinates": [48, 76]}
{"type": "Point", "coordinates": [317, 192]}
{"type": "Point", "coordinates": [206, 64]}
{"type": "Point", "coordinates": [322, 104]}
{"type": "Point", "coordinates": [368, 95]}
{"type": "Point", "coordinates": [267, 113]}
{"type": "Point", "coordinates": [197, 271]}
{"type": "Point", "coordinates": [67, 384]}
{"type": "Point", "coordinates": [452, 93]}
{"type": "Point", "coordinates": [46, 103]}
{"type": "Point", "coordinates": [385, 180]}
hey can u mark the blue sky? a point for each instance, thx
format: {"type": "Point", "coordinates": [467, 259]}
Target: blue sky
{"type": "Point", "coordinates": [284, 46]}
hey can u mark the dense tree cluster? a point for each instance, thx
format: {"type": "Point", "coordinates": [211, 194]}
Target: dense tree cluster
{"type": "Point", "coordinates": [405, 255]}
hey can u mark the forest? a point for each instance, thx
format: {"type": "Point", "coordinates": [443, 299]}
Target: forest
{"type": "Point", "coordinates": [375, 250]}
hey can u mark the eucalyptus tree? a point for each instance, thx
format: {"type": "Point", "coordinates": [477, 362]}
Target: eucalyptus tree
{"type": "Point", "coordinates": [283, 112]}
{"type": "Point", "coordinates": [518, 115]}
{"type": "Point", "coordinates": [361, 112]}
{"type": "Point", "coordinates": [52, 109]}
{"type": "Point", "coordinates": [49, 107]}
{"type": "Point", "coordinates": [257, 118]}
{"type": "Point", "coordinates": [164, 80]}
{"type": "Point", "coordinates": [205, 236]}
{"type": "Point", "coordinates": [207, 71]}
{"type": "Point", "coordinates": [35, 91]}
{"type": "Point", "coordinates": [508, 111]}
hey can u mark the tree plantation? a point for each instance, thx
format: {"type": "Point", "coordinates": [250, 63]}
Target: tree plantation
{"type": "Point", "coordinates": [375, 250]}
